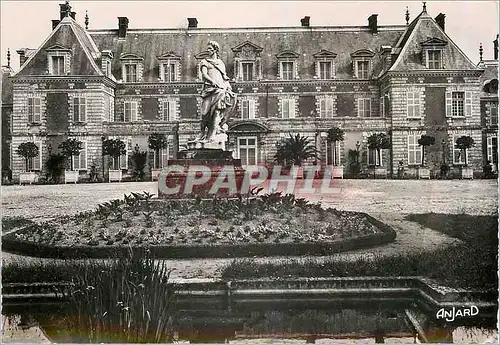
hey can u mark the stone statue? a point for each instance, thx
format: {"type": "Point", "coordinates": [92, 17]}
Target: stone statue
{"type": "Point", "coordinates": [218, 99]}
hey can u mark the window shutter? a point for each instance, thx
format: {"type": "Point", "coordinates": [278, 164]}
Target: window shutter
{"type": "Point", "coordinates": [322, 108]}
{"type": "Point", "coordinates": [291, 104]}
{"type": "Point", "coordinates": [37, 161]}
{"type": "Point", "coordinates": [126, 111]}
{"type": "Point", "coordinates": [133, 115]}
{"type": "Point", "coordinates": [83, 156]}
{"type": "Point", "coordinates": [448, 104]}
{"type": "Point", "coordinates": [251, 109]}
{"type": "Point", "coordinates": [76, 109]}
{"type": "Point", "coordinates": [369, 101]}
{"type": "Point", "coordinates": [360, 107]}
{"type": "Point", "coordinates": [329, 108]}
{"type": "Point", "coordinates": [164, 156]}
{"type": "Point", "coordinates": [31, 109]}
{"type": "Point", "coordinates": [284, 109]}
{"type": "Point", "coordinates": [83, 108]}
{"type": "Point", "coordinates": [468, 103]}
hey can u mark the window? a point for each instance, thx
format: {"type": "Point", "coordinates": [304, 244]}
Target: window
{"type": "Point", "coordinates": [35, 163]}
{"type": "Point", "coordinates": [287, 70]}
{"type": "Point", "coordinates": [458, 155]}
{"type": "Point", "coordinates": [79, 109]}
{"type": "Point", "coordinates": [458, 103]}
{"type": "Point", "coordinates": [80, 160]}
{"type": "Point", "coordinates": [492, 151]}
{"type": "Point", "coordinates": [287, 108]}
{"type": "Point", "coordinates": [160, 158]}
{"type": "Point", "coordinates": [434, 59]}
{"type": "Point", "coordinates": [364, 107]}
{"type": "Point", "coordinates": [109, 111]}
{"type": "Point", "coordinates": [247, 109]}
{"type": "Point", "coordinates": [493, 113]}
{"type": "Point", "coordinates": [130, 74]}
{"type": "Point", "coordinates": [169, 111]}
{"type": "Point", "coordinates": [326, 108]}
{"type": "Point", "coordinates": [413, 104]}
{"type": "Point", "coordinates": [247, 150]}
{"type": "Point", "coordinates": [414, 150]}
{"type": "Point", "coordinates": [362, 69]}
{"type": "Point", "coordinates": [333, 153]}
{"type": "Point", "coordinates": [57, 65]}
{"type": "Point", "coordinates": [169, 74]}
{"type": "Point", "coordinates": [373, 158]}
{"type": "Point", "coordinates": [34, 109]}
{"type": "Point", "coordinates": [325, 70]}
{"type": "Point", "coordinates": [382, 106]}
{"type": "Point", "coordinates": [130, 111]}
{"type": "Point", "coordinates": [247, 70]}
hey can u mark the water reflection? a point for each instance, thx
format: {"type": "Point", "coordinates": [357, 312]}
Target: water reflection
{"type": "Point", "coordinates": [351, 326]}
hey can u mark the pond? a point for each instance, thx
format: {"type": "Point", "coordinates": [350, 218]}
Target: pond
{"type": "Point", "coordinates": [375, 321]}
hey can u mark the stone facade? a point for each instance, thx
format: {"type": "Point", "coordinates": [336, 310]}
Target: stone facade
{"type": "Point", "coordinates": [400, 94]}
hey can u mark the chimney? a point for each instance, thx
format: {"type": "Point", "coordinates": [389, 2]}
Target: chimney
{"type": "Point", "coordinates": [372, 23]}
{"type": "Point", "coordinates": [192, 23]}
{"type": "Point", "coordinates": [122, 27]}
{"type": "Point", "coordinates": [64, 10]}
{"type": "Point", "coordinates": [305, 21]}
{"type": "Point", "coordinates": [440, 20]}
{"type": "Point", "coordinates": [55, 22]}
{"type": "Point", "coordinates": [495, 49]}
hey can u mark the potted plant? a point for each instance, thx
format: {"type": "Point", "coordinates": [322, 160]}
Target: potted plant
{"type": "Point", "coordinates": [27, 150]}
{"type": "Point", "coordinates": [157, 142]}
{"type": "Point", "coordinates": [70, 148]}
{"type": "Point", "coordinates": [379, 142]}
{"type": "Point", "coordinates": [464, 143]}
{"type": "Point", "coordinates": [335, 135]}
{"type": "Point", "coordinates": [293, 151]}
{"type": "Point", "coordinates": [114, 148]}
{"type": "Point", "coordinates": [424, 141]}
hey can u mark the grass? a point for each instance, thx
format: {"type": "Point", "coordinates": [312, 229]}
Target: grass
{"type": "Point", "coordinates": [472, 264]}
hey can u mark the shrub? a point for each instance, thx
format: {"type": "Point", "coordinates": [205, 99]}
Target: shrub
{"type": "Point", "coordinates": [157, 142]}
{"type": "Point", "coordinates": [379, 141]}
{"type": "Point", "coordinates": [114, 148]}
{"type": "Point", "coordinates": [424, 141]}
{"type": "Point", "coordinates": [71, 148]}
{"type": "Point", "coordinates": [464, 143]}
{"type": "Point", "coordinates": [27, 150]}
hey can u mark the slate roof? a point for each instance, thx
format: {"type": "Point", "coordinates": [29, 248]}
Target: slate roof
{"type": "Point", "coordinates": [6, 86]}
{"type": "Point", "coordinates": [150, 44]}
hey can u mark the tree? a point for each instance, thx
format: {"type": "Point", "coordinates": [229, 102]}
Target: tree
{"type": "Point", "coordinates": [157, 142]}
{"type": "Point", "coordinates": [27, 150]}
{"type": "Point", "coordinates": [424, 141]}
{"type": "Point", "coordinates": [294, 150]}
{"type": "Point", "coordinates": [335, 134]}
{"type": "Point", "coordinates": [379, 141]}
{"type": "Point", "coordinates": [464, 143]}
{"type": "Point", "coordinates": [70, 148]}
{"type": "Point", "coordinates": [114, 148]}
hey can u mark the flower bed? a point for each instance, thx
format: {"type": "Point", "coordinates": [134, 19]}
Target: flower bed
{"type": "Point", "coordinates": [267, 225]}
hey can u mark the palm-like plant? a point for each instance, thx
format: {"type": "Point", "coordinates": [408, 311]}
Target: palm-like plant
{"type": "Point", "coordinates": [294, 150]}
{"type": "Point", "coordinates": [335, 134]}
{"type": "Point", "coordinates": [424, 141]}
{"type": "Point", "coordinates": [464, 143]}
{"type": "Point", "coordinates": [379, 141]}
{"type": "Point", "coordinates": [157, 142]}
{"type": "Point", "coordinates": [114, 148]}
{"type": "Point", "coordinates": [70, 148]}
{"type": "Point", "coordinates": [27, 150]}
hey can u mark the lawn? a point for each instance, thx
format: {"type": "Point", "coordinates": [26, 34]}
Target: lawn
{"type": "Point", "coordinates": [471, 264]}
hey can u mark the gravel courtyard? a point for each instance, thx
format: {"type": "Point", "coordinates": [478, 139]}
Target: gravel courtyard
{"type": "Point", "coordinates": [388, 200]}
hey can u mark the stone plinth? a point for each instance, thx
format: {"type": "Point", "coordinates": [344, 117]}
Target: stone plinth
{"type": "Point", "coordinates": [202, 167]}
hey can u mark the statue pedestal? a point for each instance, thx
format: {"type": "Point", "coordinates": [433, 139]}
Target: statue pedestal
{"type": "Point", "coordinates": [193, 161]}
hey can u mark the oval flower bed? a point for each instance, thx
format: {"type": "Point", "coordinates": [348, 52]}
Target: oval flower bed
{"type": "Point", "coordinates": [265, 225]}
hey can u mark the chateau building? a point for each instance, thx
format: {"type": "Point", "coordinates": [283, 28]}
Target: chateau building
{"type": "Point", "coordinates": [402, 80]}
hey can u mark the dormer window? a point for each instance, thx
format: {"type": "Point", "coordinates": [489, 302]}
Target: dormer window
{"type": "Point", "coordinates": [132, 66]}
{"type": "Point", "coordinates": [169, 67]}
{"type": "Point", "coordinates": [287, 65]}
{"type": "Point", "coordinates": [324, 65]}
{"type": "Point", "coordinates": [362, 63]}
{"type": "Point", "coordinates": [247, 63]}
{"type": "Point", "coordinates": [432, 52]}
{"type": "Point", "coordinates": [59, 58]}
{"type": "Point", "coordinates": [106, 58]}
